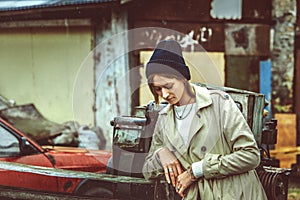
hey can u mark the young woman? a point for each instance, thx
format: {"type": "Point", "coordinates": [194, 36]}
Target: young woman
{"type": "Point", "coordinates": [201, 142]}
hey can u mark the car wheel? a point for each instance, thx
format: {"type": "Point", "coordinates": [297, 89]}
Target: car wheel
{"type": "Point", "coordinates": [94, 189]}
{"type": "Point", "coordinates": [99, 192]}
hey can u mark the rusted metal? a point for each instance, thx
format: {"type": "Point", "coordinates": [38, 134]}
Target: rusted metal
{"type": "Point", "coordinates": [274, 181]}
{"type": "Point", "coordinates": [247, 39]}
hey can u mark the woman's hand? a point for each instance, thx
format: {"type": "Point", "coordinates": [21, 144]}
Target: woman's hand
{"type": "Point", "coordinates": [171, 165]}
{"type": "Point", "coordinates": [184, 180]}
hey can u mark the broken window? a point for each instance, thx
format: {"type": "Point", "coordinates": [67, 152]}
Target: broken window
{"type": "Point", "coordinates": [229, 9]}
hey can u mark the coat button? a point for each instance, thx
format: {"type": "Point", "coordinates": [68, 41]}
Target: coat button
{"type": "Point", "coordinates": [203, 148]}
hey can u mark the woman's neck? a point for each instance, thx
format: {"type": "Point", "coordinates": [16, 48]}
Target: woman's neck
{"type": "Point", "coordinates": [186, 99]}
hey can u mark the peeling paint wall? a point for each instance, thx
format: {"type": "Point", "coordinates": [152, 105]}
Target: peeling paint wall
{"type": "Point", "coordinates": [112, 88]}
{"type": "Point", "coordinates": [284, 13]}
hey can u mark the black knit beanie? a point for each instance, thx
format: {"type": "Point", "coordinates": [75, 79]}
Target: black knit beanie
{"type": "Point", "coordinates": [167, 58]}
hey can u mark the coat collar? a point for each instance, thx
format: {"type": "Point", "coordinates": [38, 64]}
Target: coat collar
{"type": "Point", "coordinates": [203, 99]}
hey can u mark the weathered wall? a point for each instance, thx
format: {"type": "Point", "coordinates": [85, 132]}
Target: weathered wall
{"type": "Point", "coordinates": [112, 88]}
{"type": "Point", "coordinates": [245, 46]}
{"type": "Point", "coordinates": [284, 14]}
{"type": "Point", "coordinates": [39, 65]}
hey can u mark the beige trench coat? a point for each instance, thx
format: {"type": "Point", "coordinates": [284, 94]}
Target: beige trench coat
{"type": "Point", "coordinates": [221, 137]}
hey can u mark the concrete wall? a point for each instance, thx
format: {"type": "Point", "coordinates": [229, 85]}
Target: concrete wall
{"type": "Point", "coordinates": [39, 65]}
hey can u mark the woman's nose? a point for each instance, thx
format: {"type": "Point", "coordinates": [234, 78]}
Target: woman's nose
{"type": "Point", "coordinates": [165, 93]}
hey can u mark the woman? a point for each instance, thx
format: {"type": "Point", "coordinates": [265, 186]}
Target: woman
{"type": "Point", "coordinates": [201, 142]}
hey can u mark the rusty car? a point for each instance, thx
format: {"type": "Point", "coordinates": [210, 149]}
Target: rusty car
{"type": "Point", "coordinates": [17, 147]}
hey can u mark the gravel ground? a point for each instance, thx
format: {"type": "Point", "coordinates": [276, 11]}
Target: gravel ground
{"type": "Point", "coordinates": [294, 189]}
{"type": "Point", "coordinates": [294, 194]}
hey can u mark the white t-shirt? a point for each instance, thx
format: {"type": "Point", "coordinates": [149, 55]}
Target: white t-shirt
{"type": "Point", "coordinates": [183, 125]}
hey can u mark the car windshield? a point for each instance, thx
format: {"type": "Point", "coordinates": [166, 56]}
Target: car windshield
{"type": "Point", "coordinates": [9, 144]}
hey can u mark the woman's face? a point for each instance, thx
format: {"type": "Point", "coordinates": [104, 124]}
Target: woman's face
{"type": "Point", "coordinates": [170, 89]}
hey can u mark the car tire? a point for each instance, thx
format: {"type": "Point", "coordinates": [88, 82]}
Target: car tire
{"type": "Point", "coordinates": [94, 189]}
{"type": "Point", "coordinates": [99, 192]}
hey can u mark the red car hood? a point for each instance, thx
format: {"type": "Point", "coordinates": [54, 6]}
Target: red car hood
{"type": "Point", "coordinates": [78, 159]}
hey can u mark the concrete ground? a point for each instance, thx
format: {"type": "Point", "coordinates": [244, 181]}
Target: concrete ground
{"type": "Point", "coordinates": [294, 188]}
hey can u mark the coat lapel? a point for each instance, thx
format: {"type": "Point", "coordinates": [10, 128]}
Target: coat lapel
{"type": "Point", "coordinates": [196, 125]}
{"type": "Point", "coordinates": [203, 100]}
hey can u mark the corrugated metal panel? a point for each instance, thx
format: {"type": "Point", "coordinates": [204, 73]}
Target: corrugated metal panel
{"type": "Point", "coordinates": [12, 5]}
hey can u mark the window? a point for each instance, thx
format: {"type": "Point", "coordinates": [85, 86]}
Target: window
{"type": "Point", "coordinates": [9, 144]}
{"type": "Point", "coordinates": [228, 9]}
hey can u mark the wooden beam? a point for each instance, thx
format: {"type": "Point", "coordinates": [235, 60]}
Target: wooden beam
{"type": "Point", "coordinates": [286, 138]}
{"type": "Point", "coordinates": [297, 90]}
{"type": "Point", "coordinates": [56, 9]}
{"type": "Point", "coordinates": [46, 23]}
{"type": "Point", "coordinates": [286, 151]}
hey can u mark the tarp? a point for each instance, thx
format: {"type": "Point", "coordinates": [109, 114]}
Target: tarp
{"type": "Point", "coordinates": [30, 121]}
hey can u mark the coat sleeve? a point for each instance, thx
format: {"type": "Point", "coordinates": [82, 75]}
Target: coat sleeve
{"type": "Point", "coordinates": [244, 154]}
{"type": "Point", "coordinates": [152, 167]}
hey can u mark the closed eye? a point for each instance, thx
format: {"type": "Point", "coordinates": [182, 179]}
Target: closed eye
{"type": "Point", "coordinates": [168, 86]}
{"type": "Point", "coordinates": [157, 89]}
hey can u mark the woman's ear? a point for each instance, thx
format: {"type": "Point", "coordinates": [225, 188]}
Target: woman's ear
{"type": "Point", "coordinates": [185, 81]}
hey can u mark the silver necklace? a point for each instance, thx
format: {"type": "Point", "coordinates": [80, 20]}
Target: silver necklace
{"type": "Point", "coordinates": [182, 116]}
